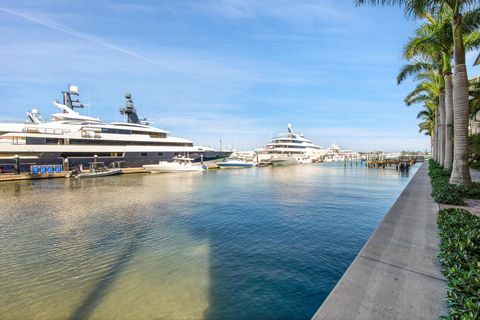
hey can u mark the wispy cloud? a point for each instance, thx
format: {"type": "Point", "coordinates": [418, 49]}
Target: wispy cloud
{"type": "Point", "coordinates": [236, 69]}
{"type": "Point", "coordinates": [299, 12]}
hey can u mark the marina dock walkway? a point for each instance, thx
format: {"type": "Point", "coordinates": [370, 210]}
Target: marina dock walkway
{"type": "Point", "coordinates": [396, 275]}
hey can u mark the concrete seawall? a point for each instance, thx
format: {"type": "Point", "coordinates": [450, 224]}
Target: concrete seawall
{"type": "Point", "coordinates": [397, 274]}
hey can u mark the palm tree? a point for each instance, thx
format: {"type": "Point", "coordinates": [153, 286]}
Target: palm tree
{"type": "Point", "coordinates": [427, 69]}
{"type": "Point", "coordinates": [432, 38]}
{"type": "Point", "coordinates": [426, 92]}
{"type": "Point", "coordinates": [418, 8]}
{"type": "Point", "coordinates": [427, 115]}
{"type": "Point", "coordinates": [460, 170]}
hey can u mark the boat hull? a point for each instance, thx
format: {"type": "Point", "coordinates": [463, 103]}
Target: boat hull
{"type": "Point", "coordinates": [226, 165]}
{"type": "Point", "coordinates": [165, 169]}
{"type": "Point", "coordinates": [98, 174]}
{"type": "Point", "coordinates": [283, 162]}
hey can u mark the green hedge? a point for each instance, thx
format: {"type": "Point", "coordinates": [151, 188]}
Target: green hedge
{"type": "Point", "coordinates": [442, 190]}
{"type": "Point", "coordinates": [472, 192]}
{"type": "Point", "coordinates": [460, 259]}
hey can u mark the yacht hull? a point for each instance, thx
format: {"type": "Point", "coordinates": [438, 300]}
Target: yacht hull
{"type": "Point", "coordinates": [72, 160]}
{"type": "Point", "coordinates": [282, 162]}
{"type": "Point", "coordinates": [165, 169]}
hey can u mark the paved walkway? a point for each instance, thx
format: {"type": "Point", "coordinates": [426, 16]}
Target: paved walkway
{"type": "Point", "coordinates": [475, 174]}
{"type": "Point", "coordinates": [397, 274]}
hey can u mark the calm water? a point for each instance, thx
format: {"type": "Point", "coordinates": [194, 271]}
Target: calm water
{"type": "Point", "coordinates": [244, 244]}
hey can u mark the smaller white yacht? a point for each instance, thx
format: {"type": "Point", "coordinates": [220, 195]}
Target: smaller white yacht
{"type": "Point", "coordinates": [178, 164]}
{"type": "Point", "coordinates": [236, 163]}
{"type": "Point", "coordinates": [283, 160]}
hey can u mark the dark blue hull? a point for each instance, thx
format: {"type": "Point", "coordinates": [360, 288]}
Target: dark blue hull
{"type": "Point", "coordinates": [73, 161]}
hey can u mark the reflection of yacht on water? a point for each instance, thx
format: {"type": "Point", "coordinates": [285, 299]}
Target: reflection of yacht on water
{"type": "Point", "coordinates": [74, 139]}
{"type": "Point", "coordinates": [290, 148]}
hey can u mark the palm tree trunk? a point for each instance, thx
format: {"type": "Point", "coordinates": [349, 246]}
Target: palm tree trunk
{"type": "Point", "coordinates": [461, 172]}
{"type": "Point", "coordinates": [432, 143]}
{"type": "Point", "coordinates": [435, 140]}
{"type": "Point", "coordinates": [448, 160]}
{"type": "Point", "coordinates": [441, 128]}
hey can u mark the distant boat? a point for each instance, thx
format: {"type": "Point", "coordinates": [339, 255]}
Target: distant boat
{"type": "Point", "coordinates": [290, 148]}
{"type": "Point", "coordinates": [179, 164]}
{"type": "Point", "coordinates": [336, 154]}
{"type": "Point", "coordinates": [235, 163]}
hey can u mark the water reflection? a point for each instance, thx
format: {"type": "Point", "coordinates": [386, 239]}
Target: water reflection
{"type": "Point", "coordinates": [102, 287]}
{"type": "Point", "coordinates": [66, 243]}
{"type": "Point", "coordinates": [266, 242]}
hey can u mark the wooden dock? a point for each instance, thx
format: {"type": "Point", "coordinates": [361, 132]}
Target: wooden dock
{"type": "Point", "coordinates": [402, 162]}
{"type": "Point", "coordinates": [28, 176]}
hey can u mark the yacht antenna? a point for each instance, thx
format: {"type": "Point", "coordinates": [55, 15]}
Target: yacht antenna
{"type": "Point", "coordinates": [34, 116]}
{"type": "Point", "coordinates": [129, 110]}
{"type": "Point", "coordinates": [67, 98]}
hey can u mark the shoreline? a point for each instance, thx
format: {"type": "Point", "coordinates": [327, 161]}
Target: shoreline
{"type": "Point", "coordinates": [396, 275]}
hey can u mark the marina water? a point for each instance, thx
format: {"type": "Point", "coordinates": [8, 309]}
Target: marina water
{"type": "Point", "coordinates": [244, 244]}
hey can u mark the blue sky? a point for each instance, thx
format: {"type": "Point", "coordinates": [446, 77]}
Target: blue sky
{"type": "Point", "coordinates": [236, 70]}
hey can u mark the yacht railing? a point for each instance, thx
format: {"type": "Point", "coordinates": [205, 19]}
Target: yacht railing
{"type": "Point", "coordinates": [45, 130]}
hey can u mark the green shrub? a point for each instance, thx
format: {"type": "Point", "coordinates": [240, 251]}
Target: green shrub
{"type": "Point", "coordinates": [472, 192]}
{"type": "Point", "coordinates": [460, 259]}
{"type": "Point", "coordinates": [442, 190]}
{"type": "Point", "coordinates": [474, 148]}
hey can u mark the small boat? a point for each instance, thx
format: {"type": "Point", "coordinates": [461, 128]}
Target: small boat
{"type": "Point", "coordinates": [283, 160]}
{"type": "Point", "coordinates": [97, 169]}
{"type": "Point", "coordinates": [304, 160]}
{"type": "Point", "coordinates": [178, 164]}
{"type": "Point", "coordinates": [235, 163]}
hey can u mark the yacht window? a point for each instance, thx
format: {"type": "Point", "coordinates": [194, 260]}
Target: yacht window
{"type": "Point", "coordinates": [126, 143]}
{"type": "Point", "coordinates": [116, 131]}
{"type": "Point", "coordinates": [160, 154]}
{"type": "Point", "coordinates": [157, 135]}
{"type": "Point", "coordinates": [143, 154]}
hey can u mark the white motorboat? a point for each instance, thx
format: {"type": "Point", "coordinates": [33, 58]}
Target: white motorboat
{"type": "Point", "coordinates": [283, 160]}
{"type": "Point", "coordinates": [179, 164]}
{"type": "Point", "coordinates": [236, 163]}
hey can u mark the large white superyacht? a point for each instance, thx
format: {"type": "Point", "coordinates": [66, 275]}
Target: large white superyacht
{"type": "Point", "coordinates": [290, 148]}
{"type": "Point", "coordinates": [72, 139]}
